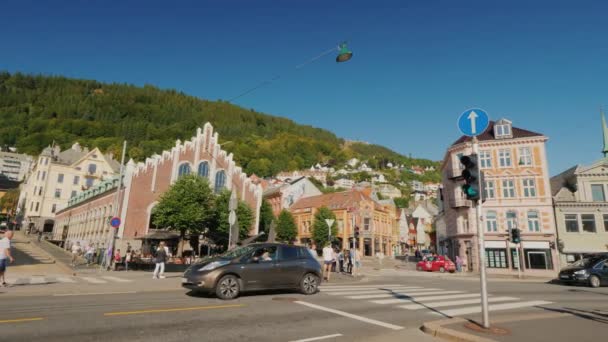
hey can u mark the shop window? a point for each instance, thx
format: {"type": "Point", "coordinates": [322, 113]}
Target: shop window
{"type": "Point", "coordinates": [496, 258]}
{"type": "Point", "coordinates": [538, 259]}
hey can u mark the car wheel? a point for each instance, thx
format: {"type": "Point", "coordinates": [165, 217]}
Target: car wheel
{"type": "Point", "coordinates": [441, 269]}
{"type": "Point", "coordinates": [452, 271]}
{"type": "Point", "coordinates": [309, 284]}
{"type": "Point", "coordinates": [227, 288]}
{"type": "Point", "coordinates": [594, 281]}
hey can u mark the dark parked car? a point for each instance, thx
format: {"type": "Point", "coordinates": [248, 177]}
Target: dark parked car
{"type": "Point", "coordinates": [592, 271]}
{"type": "Point", "coordinates": [262, 266]}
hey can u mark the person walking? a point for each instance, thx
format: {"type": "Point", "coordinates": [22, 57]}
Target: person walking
{"type": "Point", "coordinates": [340, 261]}
{"type": "Point", "coordinates": [117, 259]}
{"type": "Point", "coordinates": [128, 257]}
{"type": "Point", "coordinates": [160, 259]}
{"type": "Point", "coordinates": [328, 260]}
{"type": "Point", "coordinates": [76, 250]}
{"type": "Point", "coordinates": [458, 263]}
{"type": "Point", "coordinates": [89, 254]}
{"type": "Point", "coordinates": [5, 254]}
{"type": "Point", "coordinates": [313, 250]}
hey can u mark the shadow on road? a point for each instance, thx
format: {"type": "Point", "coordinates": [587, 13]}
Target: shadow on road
{"type": "Point", "coordinates": [594, 315]}
{"type": "Point", "coordinates": [401, 296]}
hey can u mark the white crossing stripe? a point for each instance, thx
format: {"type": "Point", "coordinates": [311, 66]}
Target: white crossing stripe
{"type": "Point", "coordinates": [65, 280]}
{"type": "Point", "coordinates": [378, 291]}
{"type": "Point", "coordinates": [401, 300]}
{"type": "Point", "coordinates": [37, 280]}
{"type": "Point", "coordinates": [318, 338]}
{"type": "Point", "coordinates": [494, 307]}
{"type": "Point", "coordinates": [434, 305]}
{"type": "Point", "coordinates": [388, 288]}
{"type": "Point", "coordinates": [323, 287]}
{"type": "Point", "coordinates": [349, 315]}
{"type": "Point", "coordinates": [118, 280]}
{"type": "Point", "coordinates": [93, 280]}
{"type": "Point", "coordinates": [336, 288]}
{"type": "Point", "coordinates": [417, 298]}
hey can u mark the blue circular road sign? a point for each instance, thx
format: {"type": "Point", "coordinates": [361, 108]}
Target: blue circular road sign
{"type": "Point", "coordinates": [473, 122]}
{"type": "Point", "coordinates": [115, 222]}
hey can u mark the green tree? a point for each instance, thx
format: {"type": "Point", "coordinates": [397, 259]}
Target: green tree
{"type": "Point", "coordinates": [402, 202]}
{"type": "Point", "coordinates": [320, 231]}
{"type": "Point", "coordinates": [219, 228]}
{"type": "Point", "coordinates": [187, 206]}
{"type": "Point", "coordinates": [266, 217]}
{"type": "Point", "coordinates": [287, 231]}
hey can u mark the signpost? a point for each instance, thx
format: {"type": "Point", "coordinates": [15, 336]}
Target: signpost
{"type": "Point", "coordinates": [472, 123]}
{"type": "Point", "coordinates": [330, 223]}
{"type": "Point", "coordinates": [115, 222]}
{"type": "Point", "coordinates": [232, 205]}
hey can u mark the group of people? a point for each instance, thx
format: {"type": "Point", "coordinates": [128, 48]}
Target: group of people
{"type": "Point", "coordinates": [337, 260]}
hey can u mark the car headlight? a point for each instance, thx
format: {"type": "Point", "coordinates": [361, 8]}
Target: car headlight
{"type": "Point", "coordinates": [214, 265]}
{"type": "Point", "coordinates": [581, 272]}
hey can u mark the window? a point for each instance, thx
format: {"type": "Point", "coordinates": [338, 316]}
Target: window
{"type": "Point", "coordinates": [89, 182]}
{"type": "Point", "coordinates": [508, 188]}
{"type": "Point", "coordinates": [504, 158]}
{"type": "Point", "coordinates": [265, 254]}
{"type": "Point", "coordinates": [289, 253]}
{"type": "Point", "coordinates": [183, 170]}
{"type": "Point", "coordinates": [502, 130]}
{"type": "Point", "coordinates": [60, 178]}
{"type": "Point", "coordinates": [76, 180]}
{"type": "Point", "coordinates": [366, 223]}
{"type": "Point", "coordinates": [538, 259]}
{"type": "Point", "coordinates": [54, 208]}
{"type": "Point", "coordinates": [597, 192]}
{"type": "Point", "coordinates": [606, 222]}
{"type": "Point", "coordinates": [489, 190]}
{"type": "Point", "coordinates": [511, 220]}
{"type": "Point", "coordinates": [35, 190]}
{"type": "Point", "coordinates": [525, 156]}
{"type": "Point", "coordinates": [485, 159]}
{"type": "Point", "coordinates": [571, 221]}
{"type": "Point", "coordinates": [588, 223]}
{"type": "Point", "coordinates": [38, 175]}
{"type": "Point", "coordinates": [32, 206]}
{"type": "Point", "coordinates": [43, 175]}
{"type": "Point", "coordinates": [203, 169]}
{"type": "Point", "coordinates": [529, 187]}
{"type": "Point", "coordinates": [496, 258]}
{"type": "Point", "coordinates": [533, 221]}
{"type": "Point", "coordinates": [92, 168]}
{"type": "Point", "coordinates": [57, 193]}
{"type": "Point", "coordinates": [40, 191]}
{"type": "Point", "coordinates": [73, 194]}
{"type": "Point", "coordinates": [491, 221]}
{"type": "Point", "coordinates": [46, 161]}
{"type": "Point", "coordinates": [37, 206]}
{"type": "Point", "coordinates": [220, 181]}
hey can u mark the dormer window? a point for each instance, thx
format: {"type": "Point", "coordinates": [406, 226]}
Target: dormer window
{"type": "Point", "coordinates": [502, 129]}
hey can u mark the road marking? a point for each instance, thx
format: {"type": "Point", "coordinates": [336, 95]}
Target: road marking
{"type": "Point", "coordinates": [93, 280]}
{"type": "Point", "coordinates": [65, 280]}
{"type": "Point", "coordinates": [318, 338]}
{"type": "Point", "coordinates": [377, 291]}
{"type": "Point", "coordinates": [118, 280]}
{"type": "Point", "coordinates": [417, 298]}
{"type": "Point", "coordinates": [434, 305]}
{"type": "Point", "coordinates": [20, 320]}
{"type": "Point", "coordinates": [371, 289]}
{"type": "Point", "coordinates": [348, 287]}
{"type": "Point", "coordinates": [173, 310]}
{"type": "Point", "coordinates": [349, 315]}
{"type": "Point", "coordinates": [495, 307]}
{"type": "Point", "coordinates": [91, 293]}
{"type": "Point", "coordinates": [401, 300]}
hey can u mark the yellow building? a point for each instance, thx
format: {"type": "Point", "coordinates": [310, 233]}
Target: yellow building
{"type": "Point", "coordinates": [377, 222]}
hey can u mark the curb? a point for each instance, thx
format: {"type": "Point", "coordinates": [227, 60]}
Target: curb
{"type": "Point", "coordinates": [436, 329]}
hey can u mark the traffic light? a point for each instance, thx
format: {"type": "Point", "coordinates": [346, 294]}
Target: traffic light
{"type": "Point", "coordinates": [471, 175]}
{"type": "Point", "coordinates": [356, 232]}
{"type": "Point", "coordinates": [515, 235]}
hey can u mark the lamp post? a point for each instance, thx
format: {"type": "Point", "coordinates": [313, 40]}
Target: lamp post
{"type": "Point", "coordinates": [330, 223]}
{"type": "Point", "coordinates": [232, 205]}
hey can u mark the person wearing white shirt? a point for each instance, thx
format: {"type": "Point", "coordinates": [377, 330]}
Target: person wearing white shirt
{"type": "Point", "coordinates": [328, 260]}
{"type": "Point", "coordinates": [5, 254]}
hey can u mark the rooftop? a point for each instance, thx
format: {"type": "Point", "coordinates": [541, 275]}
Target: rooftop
{"type": "Point", "coordinates": [488, 134]}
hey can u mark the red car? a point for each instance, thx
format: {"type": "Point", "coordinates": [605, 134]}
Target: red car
{"type": "Point", "coordinates": [439, 263]}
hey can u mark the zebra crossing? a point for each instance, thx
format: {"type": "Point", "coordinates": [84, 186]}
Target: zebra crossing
{"type": "Point", "coordinates": [42, 280]}
{"type": "Point", "coordinates": [433, 300]}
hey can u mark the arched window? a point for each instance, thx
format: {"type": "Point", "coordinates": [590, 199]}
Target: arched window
{"type": "Point", "coordinates": [533, 222]}
{"type": "Point", "coordinates": [491, 221]}
{"type": "Point", "coordinates": [220, 181]}
{"type": "Point", "coordinates": [183, 170]}
{"type": "Point", "coordinates": [203, 169]}
{"type": "Point", "coordinates": [511, 220]}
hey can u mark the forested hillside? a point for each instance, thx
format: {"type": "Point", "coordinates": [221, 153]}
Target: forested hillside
{"type": "Point", "coordinates": [37, 110]}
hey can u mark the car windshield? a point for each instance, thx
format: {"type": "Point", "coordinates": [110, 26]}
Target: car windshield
{"type": "Point", "coordinates": [586, 262]}
{"type": "Point", "coordinates": [237, 252]}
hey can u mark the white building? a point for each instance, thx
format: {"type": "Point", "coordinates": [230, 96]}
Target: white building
{"type": "Point", "coordinates": [15, 166]}
{"type": "Point", "coordinates": [59, 176]}
{"type": "Point", "coordinates": [344, 183]}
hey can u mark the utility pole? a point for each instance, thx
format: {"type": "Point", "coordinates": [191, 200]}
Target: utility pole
{"type": "Point", "coordinates": [110, 251]}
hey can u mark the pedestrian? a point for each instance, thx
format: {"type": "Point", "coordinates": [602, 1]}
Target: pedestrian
{"type": "Point", "coordinates": [39, 235]}
{"type": "Point", "coordinates": [340, 261]}
{"type": "Point", "coordinates": [313, 250]}
{"type": "Point", "coordinates": [358, 257]}
{"type": "Point", "coordinates": [128, 248]}
{"type": "Point", "coordinates": [5, 254]}
{"type": "Point", "coordinates": [328, 260]}
{"type": "Point", "coordinates": [89, 254]}
{"type": "Point", "coordinates": [117, 259]}
{"type": "Point", "coordinates": [417, 254]}
{"type": "Point", "coordinates": [160, 259]}
{"type": "Point", "coordinates": [458, 263]}
{"type": "Point", "coordinates": [128, 257]}
{"type": "Point", "coordinates": [76, 250]}
{"type": "Point", "coordinates": [349, 260]}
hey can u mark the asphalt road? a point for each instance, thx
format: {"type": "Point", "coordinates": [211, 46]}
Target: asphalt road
{"type": "Point", "coordinates": [387, 309]}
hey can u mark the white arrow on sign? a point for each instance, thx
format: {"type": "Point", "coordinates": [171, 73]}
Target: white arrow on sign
{"type": "Point", "coordinates": [472, 116]}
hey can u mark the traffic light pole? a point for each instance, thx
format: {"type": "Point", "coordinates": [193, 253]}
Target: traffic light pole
{"type": "Point", "coordinates": [482, 250]}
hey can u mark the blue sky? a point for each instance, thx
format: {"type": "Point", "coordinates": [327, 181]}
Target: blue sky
{"type": "Point", "coordinates": [417, 64]}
